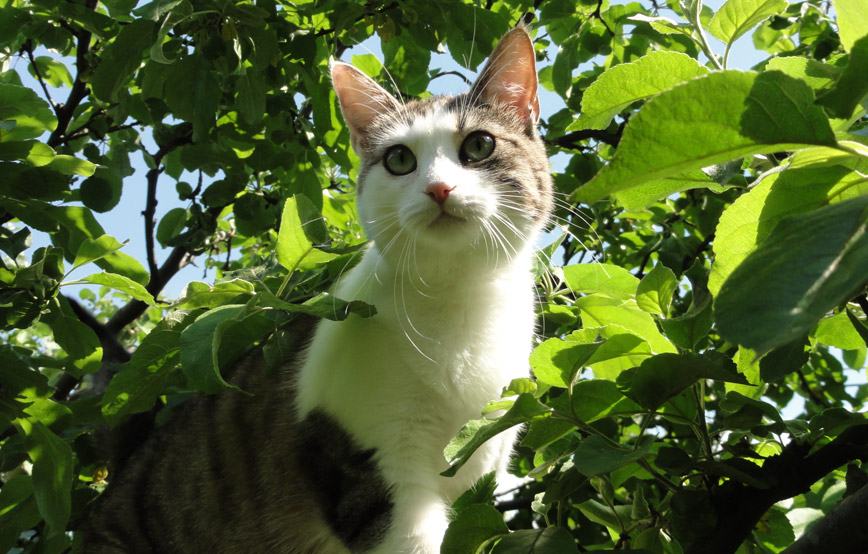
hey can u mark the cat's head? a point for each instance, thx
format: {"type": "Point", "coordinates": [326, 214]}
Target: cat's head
{"type": "Point", "coordinates": [452, 174]}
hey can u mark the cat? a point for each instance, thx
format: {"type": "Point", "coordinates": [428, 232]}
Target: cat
{"type": "Point", "coordinates": [342, 450]}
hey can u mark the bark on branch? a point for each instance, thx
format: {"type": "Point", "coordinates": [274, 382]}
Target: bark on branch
{"type": "Point", "coordinates": [739, 507]}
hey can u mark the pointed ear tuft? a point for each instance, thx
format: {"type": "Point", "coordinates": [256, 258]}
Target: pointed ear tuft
{"type": "Point", "coordinates": [362, 100]}
{"type": "Point", "coordinates": [510, 75]}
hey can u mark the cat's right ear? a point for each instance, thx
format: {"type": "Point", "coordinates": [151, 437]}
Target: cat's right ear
{"type": "Point", "coordinates": [362, 101]}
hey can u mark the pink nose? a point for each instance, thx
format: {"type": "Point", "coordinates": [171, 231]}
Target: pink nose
{"type": "Point", "coordinates": [439, 192]}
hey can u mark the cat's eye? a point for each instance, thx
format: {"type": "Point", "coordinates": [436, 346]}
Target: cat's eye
{"type": "Point", "coordinates": [476, 147]}
{"type": "Point", "coordinates": [399, 160]}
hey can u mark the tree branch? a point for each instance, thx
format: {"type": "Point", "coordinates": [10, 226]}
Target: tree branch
{"type": "Point", "coordinates": [79, 91]}
{"type": "Point", "coordinates": [571, 140]}
{"type": "Point", "coordinates": [842, 531]}
{"type": "Point", "coordinates": [739, 507]}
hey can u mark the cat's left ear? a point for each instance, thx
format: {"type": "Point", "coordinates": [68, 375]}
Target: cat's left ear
{"type": "Point", "coordinates": [510, 75]}
{"type": "Point", "coordinates": [362, 101]}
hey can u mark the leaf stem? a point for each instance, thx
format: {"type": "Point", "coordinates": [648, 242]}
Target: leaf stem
{"type": "Point", "coordinates": [702, 427]}
{"type": "Point", "coordinates": [693, 12]}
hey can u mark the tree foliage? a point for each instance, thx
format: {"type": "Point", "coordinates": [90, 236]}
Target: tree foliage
{"type": "Point", "coordinates": [699, 380]}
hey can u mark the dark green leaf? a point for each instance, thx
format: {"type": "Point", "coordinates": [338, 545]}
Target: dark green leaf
{"type": "Point", "coordinates": [473, 527]}
{"type": "Point", "coordinates": [551, 540]}
{"type": "Point", "coordinates": [665, 375]}
{"type": "Point", "coordinates": [52, 473]}
{"type": "Point", "coordinates": [757, 309]}
{"type": "Point", "coordinates": [595, 456]}
{"type": "Point", "coordinates": [852, 86]}
{"type": "Point", "coordinates": [121, 58]}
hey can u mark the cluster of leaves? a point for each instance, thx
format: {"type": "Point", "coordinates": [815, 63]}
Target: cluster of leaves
{"type": "Point", "coordinates": [729, 208]}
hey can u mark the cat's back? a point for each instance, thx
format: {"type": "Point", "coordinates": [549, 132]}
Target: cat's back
{"type": "Point", "coordinates": [235, 471]}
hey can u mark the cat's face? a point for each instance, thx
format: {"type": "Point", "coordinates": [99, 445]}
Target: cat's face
{"type": "Point", "coordinates": [452, 174]}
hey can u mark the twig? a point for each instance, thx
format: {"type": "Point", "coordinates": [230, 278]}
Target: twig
{"type": "Point", "coordinates": [571, 140]}
{"type": "Point", "coordinates": [28, 47]}
{"type": "Point", "coordinates": [599, 16]}
{"type": "Point", "coordinates": [79, 90]}
{"type": "Point", "coordinates": [456, 73]}
{"type": "Point", "coordinates": [818, 400]}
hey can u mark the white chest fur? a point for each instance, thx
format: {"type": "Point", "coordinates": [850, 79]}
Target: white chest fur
{"type": "Point", "coordinates": [407, 379]}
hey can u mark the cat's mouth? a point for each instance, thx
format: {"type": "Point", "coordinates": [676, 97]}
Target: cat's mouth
{"type": "Point", "coordinates": [446, 219]}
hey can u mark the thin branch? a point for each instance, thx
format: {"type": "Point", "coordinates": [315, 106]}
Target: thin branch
{"type": "Point", "coordinates": [816, 398]}
{"type": "Point", "coordinates": [28, 47]}
{"type": "Point", "coordinates": [599, 16]}
{"type": "Point", "coordinates": [456, 73]}
{"type": "Point", "coordinates": [571, 140]}
{"type": "Point", "coordinates": [79, 90]}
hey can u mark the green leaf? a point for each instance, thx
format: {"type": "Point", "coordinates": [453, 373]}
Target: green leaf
{"type": "Point", "coordinates": [711, 119]}
{"type": "Point", "coordinates": [324, 305]}
{"type": "Point", "coordinates": [823, 253]}
{"type": "Point", "coordinates": [550, 540]}
{"type": "Point", "coordinates": [596, 399]}
{"type": "Point", "coordinates": [407, 61]}
{"type": "Point", "coordinates": [654, 293]}
{"type": "Point", "coordinates": [52, 473]}
{"type": "Point", "coordinates": [136, 389]}
{"type": "Point", "coordinates": [687, 330]}
{"type": "Point", "coordinates": [121, 58]}
{"type": "Point", "coordinates": [198, 351]}
{"type": "Point", "coordinates": [624, 84]}
{"type": "Point", "coordinates": [171, 225]}
{"type": "Point", "coordinates": [852, 87]}
{"type": "Point", "coordinates": [292, 244]}
{"type": "Point", "coordinates": [100, 193]}
{"type": "Point", "coordinates": [525, 408]}
{"type": "Point", "coordinates": [638, 198]}
{"type": "Point", "coordinates": [77, 339]}
{"type": "Point", "coordinates": [663, 376]}
{"type": "Point", "coordinates": [482, 492]}
{"type": "Point", "coordinates": [784, 359]}
{"type": "Point", "coordinates": [70, 165]}
{"type": "Point", "coordinates": [473, 527]}
{"type": "Point", "coordinates": [737, 17]}
{"type": "Point", "coordinates": [556, 361]}
{"type": "Point", "coordinates": [751, 218]}
{"type": "Point", "coordinates": [31, 114]}
{"type": "Point", "coordinates": [217, 338]}
{"type": "Point", "coordinates": [143, 379]}
{"type": "Point", "coordinates": [368, 63]}
{"type": "Point", "coordinates": [91, 250]}
{"type": "Point", "coordinates": [839, 331]}
{"type": "Point", "coordinates": [121, 283]}
{"type": "Point", "coordinates": [600, 311]}
{"type": "Point", "coordinates": [817, 74]}
{"type": "Point", "coordinates": [596, 278]}
{"type": "Point", "coordinates": [604, 515]}
{"type": "Point", "coordinates": [34, 152]}
{"type": "Point", "coordinates": [595, 456]}
{"type": "Point", "coordinates": [852, 15]}
{"type": "Point", "coordinates": [201, 295]}
{"type": "Point", "coordinates": [52, 72]}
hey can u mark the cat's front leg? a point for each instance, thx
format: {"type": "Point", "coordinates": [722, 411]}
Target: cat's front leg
{"type": "Point", "coordinates": [419, 521]}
